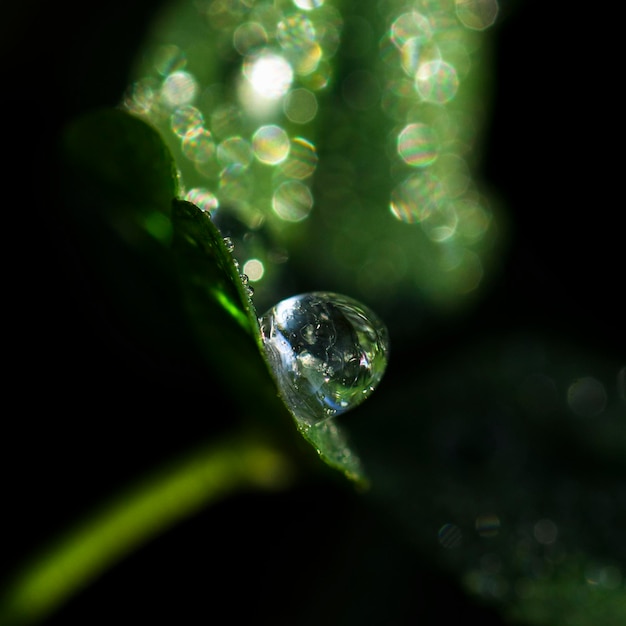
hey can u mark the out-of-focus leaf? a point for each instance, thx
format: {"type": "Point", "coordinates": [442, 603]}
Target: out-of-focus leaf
{"type": "Point", "coordinates": [504, 464]}
{"type": "Point", "coordinates": [149, 508]}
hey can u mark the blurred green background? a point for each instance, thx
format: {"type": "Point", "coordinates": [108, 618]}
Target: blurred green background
{"type": "Point", "coordinates": [496, 442]}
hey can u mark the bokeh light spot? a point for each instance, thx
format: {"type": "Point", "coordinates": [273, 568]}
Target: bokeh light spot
{"type": "Point", "coordinates": [234, 151]}
{"type": "Point", "coordinates": [248, 37]}
{"type": "Point", "coordinates": [179, 88]}
{"type": "Point", "coordinates": [545, 531]}
{"type": "Point", "coordinates": [270, 144]}
{"type": "Point", "coordinates": [473, 220]}
{"type": "Point", "coordinates": [254, 269]}
{"type": "Point", "coordinates": [436, 81]}
{"type": "Point", "coordinates": [168, 59]}
{"type": "Point", "coordinates": [269, 74]}
{"type": "Point", "coordinates": [412, 25]}
{"type": "Point", "coordinates": [440, 224]}
{"type": "Point", "coordinates": [225, 121]}
{"type": "Point", "coordinates": [603, 575]}
{"type": "Point", "coordinates": [292, 201]}
{"type": "Point", "coordinates": [586, 397]}
{"type": "Point", "coordinates": [296, 35]}
{"type": "Point", "coordinates": [464, 267]}
{"type": "Point", "coordinates": [450, 536]}
{"type": "Point", "coordinates": [141, 97]}
{"type": "Point", "coordinates": [186, 120]}
{"type": "Point", "coordinates": [234, 186]}
{"type": "Point", "coordinates": [476, 14]}
{"type": "Point", "coordinates": [300, 105]}
{"type": "Point", "coordinates": [302, 159]}
{"type": "Point", "coordinates": [487, 525]}
{"type": "Point", "coordinates": [202, 198]}
{"type": "Point", "coordinates": [455, 175]}
{"type": "Point", "coordinates": [416, 51]}
{"type": "Point", "coordinates": [308, 5]}
{"type": "Point", "coordinates": [417, 145]}
{"type": "Point", "coordinates": [415, 198]}
{"type": "Point", "coordinates": [199, 147]}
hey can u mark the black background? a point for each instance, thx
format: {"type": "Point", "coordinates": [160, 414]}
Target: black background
{"type": "Point", "coordinates": [81, 417]}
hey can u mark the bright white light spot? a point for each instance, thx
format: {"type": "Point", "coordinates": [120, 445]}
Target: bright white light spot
{"type": "Point", "coordinates": [308, 5]}
{"type": "Point", "coordinates": [269, 74]}
{"type": "Point", "coordinates": [253, 269]}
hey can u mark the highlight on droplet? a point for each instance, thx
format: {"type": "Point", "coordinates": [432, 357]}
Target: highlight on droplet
{"type": "Point", "coordinates": [300, 105]}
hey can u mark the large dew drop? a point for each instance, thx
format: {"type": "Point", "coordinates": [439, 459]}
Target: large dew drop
{"type": "Point", "coordinates": [328, 353]}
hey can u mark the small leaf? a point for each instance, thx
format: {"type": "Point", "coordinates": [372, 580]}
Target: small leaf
{"type": "Point", "coordinates": [332, 445]}
{"type": "Point", "coordinates": [211, 277]}
{"type": "Point", "coordinates": [206, 265]}
{"type": "Point", "coordinates": [128, 158]}
{"type": "Point", "coordinates": [167, 268]}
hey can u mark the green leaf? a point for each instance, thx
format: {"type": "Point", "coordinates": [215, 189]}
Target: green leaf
{"type": "Point", "coordinates": [210, 277]}
{"type": "Point", "coordinates": [168, 269]}
{"type": "Point", "coordinates": [128, 159]}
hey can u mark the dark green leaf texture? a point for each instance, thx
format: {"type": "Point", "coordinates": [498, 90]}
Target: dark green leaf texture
{"type": "Point", "coordinates": [167, 267]}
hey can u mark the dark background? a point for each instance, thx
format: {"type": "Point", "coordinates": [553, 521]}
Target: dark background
{"type": "Point", "coordinates": [81, 417]}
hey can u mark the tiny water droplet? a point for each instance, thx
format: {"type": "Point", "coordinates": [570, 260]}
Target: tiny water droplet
{"type": "Point", "coordinates": [328, 352]}
{"type": "Point", "coordinates": [250, 290]}
{"type": "Point", "coordinates": [244, 278]}
{"type": "Point", "coordinates": [228, 242]}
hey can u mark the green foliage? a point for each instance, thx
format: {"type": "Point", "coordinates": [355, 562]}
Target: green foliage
{"type": "Point", "coordinates": [180, 255]}
{"type": "Point", "coordinates": [495, 448]}
{"type": "Point", "coordinates": [170, 273]}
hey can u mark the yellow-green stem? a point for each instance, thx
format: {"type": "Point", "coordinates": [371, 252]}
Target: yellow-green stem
{"type": "Point", "coordinates": [106, 536]}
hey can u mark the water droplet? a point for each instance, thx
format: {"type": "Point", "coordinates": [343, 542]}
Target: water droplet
{"type": "Point", "coordinates": [328, 353]}
{"type": "Point", "coordinates": [228, 242]}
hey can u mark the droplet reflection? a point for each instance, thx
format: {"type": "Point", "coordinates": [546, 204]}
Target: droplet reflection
{"type": "Point", "coordinates": [327, 351]}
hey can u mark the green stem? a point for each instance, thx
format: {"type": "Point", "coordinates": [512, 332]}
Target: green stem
{"type": "Point", "coordinates": [144, 511]}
